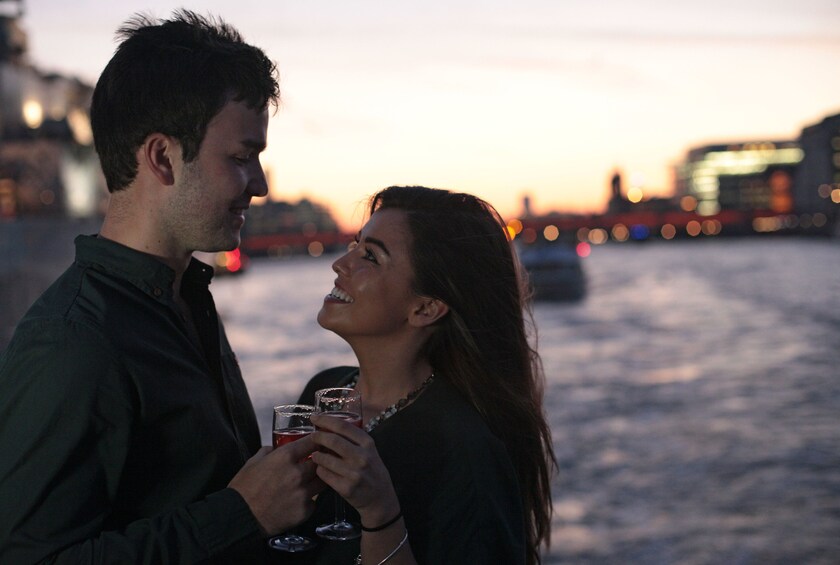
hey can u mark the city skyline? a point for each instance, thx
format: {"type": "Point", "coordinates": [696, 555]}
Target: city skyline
{"type": "Point", "coordinates": [501, 99]}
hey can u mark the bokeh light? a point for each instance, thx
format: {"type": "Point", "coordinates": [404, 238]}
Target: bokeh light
{"type": "Point", "coordinates": [693, 228]}
{"type": "Point", "coordinates": [583, 249]}
{"type": "Point", "coordinates": [598, 236]}
{"type": "Point", "coordinates": [315, 248]}
{"type": "Point", "coordinates": [620, 232]}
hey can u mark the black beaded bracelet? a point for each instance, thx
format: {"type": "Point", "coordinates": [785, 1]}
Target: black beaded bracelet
{"type": "Point", "coordinates": [383, 526]}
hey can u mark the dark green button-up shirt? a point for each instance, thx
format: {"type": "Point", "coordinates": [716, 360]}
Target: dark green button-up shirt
{"type": "Point", "coordinates": [120, 428]}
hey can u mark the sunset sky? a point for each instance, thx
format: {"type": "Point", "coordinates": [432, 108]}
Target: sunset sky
{"type": "Point", "coordinates": [500, 98]}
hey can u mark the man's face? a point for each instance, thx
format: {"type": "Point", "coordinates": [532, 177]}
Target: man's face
{"type": "Point", "coordinates": [211, 193]}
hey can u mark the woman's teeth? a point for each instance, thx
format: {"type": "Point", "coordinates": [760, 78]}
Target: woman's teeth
{"type": "Point", "coordinates": [341, 295]}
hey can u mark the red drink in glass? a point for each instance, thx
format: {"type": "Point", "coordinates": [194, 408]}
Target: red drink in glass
{"type": "Point", "coordinates": [285, 436]}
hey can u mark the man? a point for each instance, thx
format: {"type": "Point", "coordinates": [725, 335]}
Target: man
{"type": "Point", "coordinates": [126, 432]}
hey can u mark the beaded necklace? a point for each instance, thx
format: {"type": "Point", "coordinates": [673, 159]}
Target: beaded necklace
{"type": "Point", "coordinates": [395, 407]}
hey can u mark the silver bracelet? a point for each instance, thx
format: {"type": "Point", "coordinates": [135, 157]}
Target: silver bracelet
{"type": "Point", "coordinates": [390, 555]}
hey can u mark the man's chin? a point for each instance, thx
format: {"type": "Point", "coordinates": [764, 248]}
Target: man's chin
{"type": "Point", "coordinates": [228, 243]}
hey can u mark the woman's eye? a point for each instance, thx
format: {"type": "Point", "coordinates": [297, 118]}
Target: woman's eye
{"type": "Point", "coordinates": [367, 254]}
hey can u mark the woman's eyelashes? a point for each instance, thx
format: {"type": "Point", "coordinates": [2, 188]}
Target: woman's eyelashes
{"type": "Point", "coordinates": [369, 256]}
{"type": "Point", "coordinates": [367, 253]}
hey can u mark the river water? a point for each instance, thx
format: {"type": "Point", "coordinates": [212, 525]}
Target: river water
{"type": "Point", "coordinates": [694, 395]}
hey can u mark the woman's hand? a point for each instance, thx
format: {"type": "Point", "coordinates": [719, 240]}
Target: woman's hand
{"type": "Point", "coordinates": [353, 468]}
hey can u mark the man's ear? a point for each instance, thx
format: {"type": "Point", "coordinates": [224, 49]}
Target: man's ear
{"type": "Point", "coordinates": [427, 311]}
{"type": "Point", "coordinates": [157, 154]}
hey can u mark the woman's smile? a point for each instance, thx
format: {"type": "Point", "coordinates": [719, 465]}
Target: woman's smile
{"type": "Point", "coordinates": [339, 295]}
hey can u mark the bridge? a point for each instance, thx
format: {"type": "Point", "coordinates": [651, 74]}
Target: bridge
{"type": "Point", "coordinates": [594, 228]}
{"type": "Point", "coordinates": [668, 224]}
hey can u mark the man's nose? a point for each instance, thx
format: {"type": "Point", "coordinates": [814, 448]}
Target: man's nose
{"type": "Point", "coordinates": [258, 185]}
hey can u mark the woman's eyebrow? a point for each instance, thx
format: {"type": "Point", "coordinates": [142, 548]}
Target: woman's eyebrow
{"type": "Point", "coordinates": [379, 243]}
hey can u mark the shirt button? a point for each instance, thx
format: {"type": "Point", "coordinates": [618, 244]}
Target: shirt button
{"type": "Point", "coordinates": [157, 292]}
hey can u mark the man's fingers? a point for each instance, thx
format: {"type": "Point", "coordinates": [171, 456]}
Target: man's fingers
{"type": "Point", "coordinates": [314, 486]}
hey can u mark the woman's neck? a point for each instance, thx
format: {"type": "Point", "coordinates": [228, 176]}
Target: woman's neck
{"type": "Point", "coordinates": [384, 381]}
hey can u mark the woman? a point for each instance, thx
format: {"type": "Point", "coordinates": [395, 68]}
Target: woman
{"type": "Point", "coordinates": [456, 465]}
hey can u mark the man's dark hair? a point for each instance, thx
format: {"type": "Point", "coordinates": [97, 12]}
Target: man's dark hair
{"type": "Point", "coordinates": [172, 77]}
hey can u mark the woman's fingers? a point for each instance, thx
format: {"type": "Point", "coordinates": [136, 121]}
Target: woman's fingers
{"type": "Point", "coordinates": [343, 439]}
{"type": "Point", "coordinates": [339, 455]}
{"type": "Point", "coordinates": [341, 427]}
{"type": "Point", "coordinates": [354, 470]}
{"type": "Point", "coordinates": [350, 469]}
{"type": "Point", "coordinates": [343, 477]}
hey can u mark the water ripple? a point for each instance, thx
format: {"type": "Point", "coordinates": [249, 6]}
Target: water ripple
{"type": "Point", "coordinates": [693, 396]}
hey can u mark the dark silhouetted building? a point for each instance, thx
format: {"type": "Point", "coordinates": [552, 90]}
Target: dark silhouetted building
{"type": "Point", "coordinates": [819, 173]}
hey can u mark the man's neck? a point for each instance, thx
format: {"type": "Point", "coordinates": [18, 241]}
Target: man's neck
{"type": "Point", "coordinates": [177, 264]}
{"type": "Point", "coordinates": [132, 223]}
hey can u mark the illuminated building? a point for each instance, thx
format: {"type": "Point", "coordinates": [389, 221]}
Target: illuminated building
{"type": "Point", "coordinates": [740, 176]}
{"type": "Point", "coordinates": [817, 186]}
{"type": "Point", "coordinates": [48, 166]}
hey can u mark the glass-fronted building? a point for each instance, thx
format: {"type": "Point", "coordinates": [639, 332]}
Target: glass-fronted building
{"type": "Point", "coordinates": [754, 175]}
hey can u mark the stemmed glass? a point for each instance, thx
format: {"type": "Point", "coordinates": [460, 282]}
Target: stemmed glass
{"type": "Point", "coordinates": [291, 423]}
{"type": "Point", "coordinates": [345, 403]}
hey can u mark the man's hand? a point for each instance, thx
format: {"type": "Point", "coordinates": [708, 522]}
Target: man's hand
{"type": "Point", "coordinates": [279, 485]}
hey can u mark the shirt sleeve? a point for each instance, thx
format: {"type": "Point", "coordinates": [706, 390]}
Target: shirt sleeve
{"type": "Point", "coordinates": [66, 416]}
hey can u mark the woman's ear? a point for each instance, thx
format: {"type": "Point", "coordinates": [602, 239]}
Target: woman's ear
{"type": "Point", "coordinates": [156, 153]}
{"type": "Point", "coordinates": [427, 311]}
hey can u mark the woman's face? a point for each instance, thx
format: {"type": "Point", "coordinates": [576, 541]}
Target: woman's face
{"type": "Point", "coordinates": [373, 293]}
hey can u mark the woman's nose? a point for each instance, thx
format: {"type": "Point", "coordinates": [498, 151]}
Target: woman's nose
{"type": "Point", "coordinates": [339, 266]}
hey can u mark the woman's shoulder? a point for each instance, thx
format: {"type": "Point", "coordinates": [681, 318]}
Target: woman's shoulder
{"type": "Point", "coordinates": [450, 411]}
{"type": "Point", "coordinates": [335, 376]}
{"type": "Point", "coordinates": [445, 425]}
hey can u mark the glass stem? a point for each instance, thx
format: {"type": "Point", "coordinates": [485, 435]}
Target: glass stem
{"type": "Point", "coordinates": [339, 509]}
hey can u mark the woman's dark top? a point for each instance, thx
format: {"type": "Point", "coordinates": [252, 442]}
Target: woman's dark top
{"type": "Point", "coordinates": [456, 485]}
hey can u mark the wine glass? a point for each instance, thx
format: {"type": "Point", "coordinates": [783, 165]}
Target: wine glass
{"type": "Point", "coordinates": [291, 423]}
{"type": "Point", "coordinates": [345, 403]}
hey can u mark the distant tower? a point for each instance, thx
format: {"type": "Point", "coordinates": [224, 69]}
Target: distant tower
{"type": "Point", "coordinates": [615, 183]}
{"type": "Point", "coordinates": [526, 206]}
{"type": "Point", "coordinates": [618, 203]}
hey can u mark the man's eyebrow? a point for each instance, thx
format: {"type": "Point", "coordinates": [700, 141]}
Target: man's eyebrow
{"type": "Point", "coordinates": [253, 144]}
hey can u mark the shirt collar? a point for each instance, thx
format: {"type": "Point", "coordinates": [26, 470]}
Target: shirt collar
{"type": "Point", "coordinates": [141, 269]}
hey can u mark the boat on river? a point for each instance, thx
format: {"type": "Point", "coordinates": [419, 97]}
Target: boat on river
{"type": "Point", "coordinates": [555, 272]}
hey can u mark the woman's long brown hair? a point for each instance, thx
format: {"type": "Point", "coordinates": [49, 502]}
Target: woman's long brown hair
{"type": "Point", "coordinates": [462, 255]}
